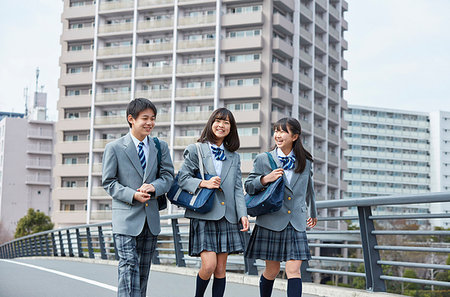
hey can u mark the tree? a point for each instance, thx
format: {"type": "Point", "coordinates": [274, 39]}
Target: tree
{"type": "Point", "coordinates": [33, 222]}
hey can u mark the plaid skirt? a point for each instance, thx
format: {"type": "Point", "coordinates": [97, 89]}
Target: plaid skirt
{"type": "Point", "coordinates": [288, 244]}
{"type": "Point", "coordinates": [215, 236]}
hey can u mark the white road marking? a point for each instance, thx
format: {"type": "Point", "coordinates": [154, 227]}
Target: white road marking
{"type": "Point", "coordinates": [81, 279]}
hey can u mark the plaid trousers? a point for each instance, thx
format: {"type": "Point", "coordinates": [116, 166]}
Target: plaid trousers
{"type": "Point", "coordinates": [135, 255]}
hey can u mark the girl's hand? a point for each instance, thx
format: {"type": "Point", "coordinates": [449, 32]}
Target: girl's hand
{"type": "Point", "coordinates": [245, 224]}
{"type": "Point", "coordinates": [213, 183]}
{"type": "Point", "coordinates": [273, 176]}
{"type": "Point", "coordinates": [311, 222]}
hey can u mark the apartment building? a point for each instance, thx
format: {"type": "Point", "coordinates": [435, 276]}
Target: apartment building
{"type": "Point", "coordinates": [263, 59]}
{"type": "Point", "coordinates": [389, 154]}
{"type": "Point", "coordinates": [26, 148]}
{"type": "Point", "coordinates": [440, 161]}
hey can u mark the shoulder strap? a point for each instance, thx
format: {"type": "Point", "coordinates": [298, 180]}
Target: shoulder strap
{"type": "Point", "coordinates": [200, 160]}
{"type": "Point", "coordinates": [158, 147]}
{"type": "Point", "coordinates": [271, 161]}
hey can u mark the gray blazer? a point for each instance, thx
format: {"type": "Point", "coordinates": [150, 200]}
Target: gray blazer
{"type": "Point", "coordinates": [123, 175]}
{"type": "Point", "coordinates": [229, 199]}
{"type": "Point", "coordinates": [297, 195]}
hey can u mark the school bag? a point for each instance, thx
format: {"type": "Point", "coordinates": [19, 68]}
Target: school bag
{"type": "Point", "coordinates": [269, 199]}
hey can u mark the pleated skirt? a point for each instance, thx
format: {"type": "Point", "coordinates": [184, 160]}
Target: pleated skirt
{"type": "Point", "coordinates": [216, 236]}
{"type": "Point", "coordinates": [288, 244]}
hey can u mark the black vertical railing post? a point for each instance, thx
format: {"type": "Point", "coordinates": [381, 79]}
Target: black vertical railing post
{"type": "Point", "coordinates": [14, 249]}
{"type": "Point", "coordinates": [250, 267]}
{"type": "Point", "coordinates": [69, 243]}
{"type": "Point", "coordinates": [101, 242]}
{"type": "Point", "coordinates": [29, 247]}
{"type": "Point", "coordinates": [179, 255]}
{"type": "Point", "coordinates": [61, 244]}
{"type": "Point", "coordinates": [54, 246]}
{"type": "Point", "coordinates": [116, 253]}
{"type": "Point", "coordinates": [89, 242]}
{"type": "Point", "coordinates": [41, 247]}
{"type": "Point", "coordinates": [79, 245]}
{"type": "Point", "coordinates": [47, 246]}
{"type": "Point", "coordinates": [33, 246]}
{"type": "Point", "coordinates": [22, 248]}
{"type": "Point", "coordinates": [9, 251]}
{"type": "Point", "coordinates": [371, 255]}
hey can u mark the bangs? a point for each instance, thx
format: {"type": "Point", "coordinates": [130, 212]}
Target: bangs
{"type": "Point", "coordinates": [223, 114]}
{"type": "Point", "coordinates": [281, 125]}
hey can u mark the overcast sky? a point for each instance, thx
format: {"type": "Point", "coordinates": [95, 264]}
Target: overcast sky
{"type": "Point", "coordinates": [398, 56]}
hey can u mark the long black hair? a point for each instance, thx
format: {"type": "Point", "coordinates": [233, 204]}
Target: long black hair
{"type": "Point", "coordinates": [231, 141]}
{"type": "Point", "coordinates": [293, 125]}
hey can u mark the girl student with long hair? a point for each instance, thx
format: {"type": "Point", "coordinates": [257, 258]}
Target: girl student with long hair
{"type": "Point", "coordinates": [281, 235]}
{"type": "Point", "coordinates": [215, 234]}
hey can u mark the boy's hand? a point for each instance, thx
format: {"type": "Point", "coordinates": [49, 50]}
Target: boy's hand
{"type": "Point", "coordinates": [147, 188]}
{"type": "Point", "coordinates": [141, 197]}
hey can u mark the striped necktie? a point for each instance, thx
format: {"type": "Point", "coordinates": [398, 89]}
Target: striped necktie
{"type": "Point", "coordinates": [219, 154]}
{"type": "Point", "coordinates": [288, 162]}
{"type": "Point", "coordinates": [142, 155]}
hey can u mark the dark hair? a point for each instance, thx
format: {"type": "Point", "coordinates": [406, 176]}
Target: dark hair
{"type": "Point", "coordinates": [292, 125]}
{"type": "Point", "coordinates": [231, 141]}
{"type": "Point", "coordinates": [137, 105]}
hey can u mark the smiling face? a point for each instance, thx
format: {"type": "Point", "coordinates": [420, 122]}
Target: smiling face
{"type": "Point", "coordinates": [284, 140]}
{"type": "Point", "coordinates": [220, 129]}
{"type": "Point", "coordinates": [143, 125]}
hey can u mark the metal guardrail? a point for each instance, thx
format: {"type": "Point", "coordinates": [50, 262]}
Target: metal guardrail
{"type": "Point", "coordinates": [97, 241]}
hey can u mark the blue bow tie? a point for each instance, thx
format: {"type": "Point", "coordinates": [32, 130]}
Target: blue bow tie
{"type": "Point", "coordinates": [219, 154]}
{"type": "Point", "coordinates": [288, 162]}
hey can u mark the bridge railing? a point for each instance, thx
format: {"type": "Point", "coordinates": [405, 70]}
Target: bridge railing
{"type": "Point", "coordinates": [336, 250]}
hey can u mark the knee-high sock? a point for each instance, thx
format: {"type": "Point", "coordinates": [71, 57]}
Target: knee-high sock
{"type": "Point", "coordinates": [265, 287]}
{"type": "Point", "coordinates": [294, 288]}
{"type": "Point", "coordinates": [218, 287]}
{"type": "Point", "coordinates": [201, 286]}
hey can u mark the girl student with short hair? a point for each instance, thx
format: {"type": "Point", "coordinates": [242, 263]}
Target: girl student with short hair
{"type": "Point", "coordinates": [215, 234]}
{"type": "Point", "coordinates": [281, 235]}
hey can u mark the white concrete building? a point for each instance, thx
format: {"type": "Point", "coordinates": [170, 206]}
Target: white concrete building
{"type": "Point", "coordinates": [263, 59]}
{"type": "Point", "coordinates": [26, 148]}
{"type": "Point", "coordinates": [440, 160]}
{"type": "Point", "coordinates": [389, 154]}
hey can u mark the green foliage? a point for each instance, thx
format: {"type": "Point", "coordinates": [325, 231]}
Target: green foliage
{"type": "Point", "coordinates": [359, 282]}
{"type": "Point", "coordinates": [409, 273]}
{"type": "Point", "coordinates": [440, 238]}
{"type": "Point", "coordinates": [33, 222]}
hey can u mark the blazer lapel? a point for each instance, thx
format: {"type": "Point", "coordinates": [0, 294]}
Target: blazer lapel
{"type": "Point", "coordinates": [207, 159]}
{"type": "Point", "coordinates": [152, 162]}
{"type": "Point", "coordinates": [131, 152]}
{"type": "Point", "coordinates": [277, 161]}
{"type": "Point", "coordinates": [226, 165]}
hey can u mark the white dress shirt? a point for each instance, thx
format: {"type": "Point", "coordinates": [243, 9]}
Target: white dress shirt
{"type": "Point", "coordinates": [289, 172]}
{"type": "Point", "coordinates": [146, 148]}
{"type": "Point", "coordinates": [217, 164]}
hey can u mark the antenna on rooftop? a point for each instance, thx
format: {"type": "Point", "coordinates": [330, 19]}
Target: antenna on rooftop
{"type": "Point", "coordinates": [25, 96]}
{"type": "Point", "coordinates": [37, 78]}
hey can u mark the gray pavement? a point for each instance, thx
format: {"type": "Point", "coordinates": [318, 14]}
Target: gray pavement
{"type": "Point", "coordinates": [48, 278]}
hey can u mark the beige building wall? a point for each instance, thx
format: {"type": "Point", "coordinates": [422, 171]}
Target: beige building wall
{"type": "Point", "coordinates": [274, 58]}
{"type": "Point", "coordinates": [26, 160]}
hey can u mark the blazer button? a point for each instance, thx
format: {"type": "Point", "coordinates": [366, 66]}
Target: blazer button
{"type": "Point", "coordinates": [289, 198]}
{"type": "Point", "coordinates": [146, 204]}
{"type": "Point", "coordinates": [220, 190]}
{"type": "Point", "coordinates": [223, 203]}
{"type": "Point", "coordinates": [289, 211]}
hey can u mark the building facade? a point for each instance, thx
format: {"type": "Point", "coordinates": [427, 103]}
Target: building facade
{"type": "Point", "coordinates": [26, 154]}
{"type": "Point", "coordinates": [263, 60]}
{"type": "Point", "coordinates": [398, 152]}
{"type": "Point", "coordinates": [440, 161]}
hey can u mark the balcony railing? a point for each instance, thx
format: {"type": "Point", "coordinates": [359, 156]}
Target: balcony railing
{"type": "Point", "coordinates": [112, 97]}
{"type": "Point", "coordinates": [194, 92]}
{"type": "Point", "coordinates": [114, 51]}
{"type": "Point", "coordinates": [193, 44]}
{"type": "Point", "coordinates": [154, 71]}
{"type": "Point", "coordinates": [146, 25]}
{"type": "Point", "coordinates": [115, 28]}
{"type": "Point", "coordinates": [116, 5]}
{"type": "Point", "coordinates": [206, 19]}
{"type": "Point", "coordinates": [190, 68]}
{"type": "Point", "coordinates": [154, 47]}
{"type": "Point", "coordinates": [116, 73]}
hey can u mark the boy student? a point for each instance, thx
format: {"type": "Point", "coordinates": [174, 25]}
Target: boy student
{"type": "Point", "coordinates": [132, 177]}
